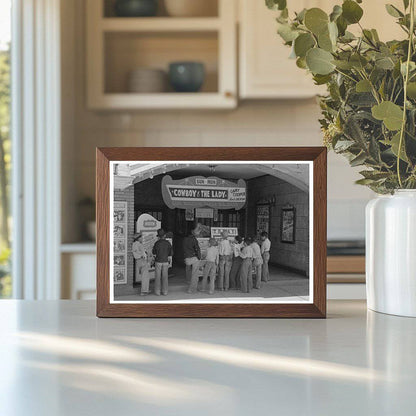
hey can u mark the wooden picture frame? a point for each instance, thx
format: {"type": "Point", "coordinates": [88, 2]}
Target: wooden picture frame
{"type": "Point", "coordinates": [316, 157]}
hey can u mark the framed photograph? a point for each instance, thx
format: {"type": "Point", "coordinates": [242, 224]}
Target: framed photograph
{"type": "Point", "coordinates": [231, 257]}
{"type": "Point", "coordinates": [288, 228]}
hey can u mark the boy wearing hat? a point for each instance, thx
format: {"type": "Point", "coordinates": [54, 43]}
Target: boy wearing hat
{"type": "Point", "coordinates": [265, 252]}
{"type": "Point", "coordinates": [225, 251]}
{"type": "Point", "coordinates": [142, 267]}
{"type": "Point", "coordinates": [192, 254]}
{"type": "Point", "coordinates": [210, 267]}
{"type": "Point", "coordinates": [163, 252]}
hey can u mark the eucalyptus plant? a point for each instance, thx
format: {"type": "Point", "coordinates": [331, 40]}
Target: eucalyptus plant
{"type": "Point", "coordinates": [369, 112]}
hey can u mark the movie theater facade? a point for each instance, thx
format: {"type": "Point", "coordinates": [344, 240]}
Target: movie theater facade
{"type": "Point", "coordinates": [244, 198]}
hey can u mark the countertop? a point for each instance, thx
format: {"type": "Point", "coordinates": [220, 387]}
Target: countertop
{"type": "Point", "coordinates": [57, 358]}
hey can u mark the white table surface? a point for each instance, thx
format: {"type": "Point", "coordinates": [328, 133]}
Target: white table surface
{"type": "Point", "coordinates": [57, 358]}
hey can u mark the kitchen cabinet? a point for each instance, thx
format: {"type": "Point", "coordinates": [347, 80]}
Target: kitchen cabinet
{"type": "Point", "coordinates": [118, 45]}
{"type": "Point", "coordinates": [78, 271]}
{"type": "Point", "coordinates": [265, 70]}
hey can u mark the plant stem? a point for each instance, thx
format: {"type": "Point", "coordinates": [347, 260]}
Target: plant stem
{"type": "Point", "coordinates": [406, 80]}
{"type": "Point", "coordinates": [346, 75]}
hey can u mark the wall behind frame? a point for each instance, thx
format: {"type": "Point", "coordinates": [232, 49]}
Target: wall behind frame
{"type": "Point", "coordinates": [255, 123]}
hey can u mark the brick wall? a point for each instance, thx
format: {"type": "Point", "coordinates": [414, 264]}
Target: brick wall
{"type": "Point", "coordinates": [127, 195]}
{"type": "Point", "coordinates": [294, 256]}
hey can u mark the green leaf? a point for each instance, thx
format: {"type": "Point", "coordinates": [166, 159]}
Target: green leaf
{"type": "Point", "coordinates": [348, 37]}
{"type": "Point", "coordinates": [394, 145]}
{"type": "Point", "coordinates": [388, 112]}
{"type": "Point", "coordinates": [375, 175]}
{"type": "Point", "coordinates": [343, 65]}
{"type": "Point", "coordinates": [300, 17]}
{"type": "Point", "coordinates": [359, 160]}
{"type": "Point", "coordinates": [321, 79]}
{"type": "Point", "coordinates": [385, 63]}
{"type": "Point", "coordinates": [286, 32]}
{"type": "Point", "coordinates": [364, 181]}
{"type": "Point", "coordinates": [351, 11]}
{"type": "Point", "coordinates": [301, 63]}
{"type": "Point", "coordinates": [368, 36]}
{"type": "Point", "coordinates": [276, 4]}
{"type": "Point", "coordinates": [358, 61]}
{"type": "Point", "coordinates": [411, 90]}
{"type": "Point", "coordinates": [412, 67]}
{"type": "Point", "coordinates": [343, 145]}
{"type": "Point", "coordinates": [374, 150]}
{"type": "Point", "coordinates": [333, 32]}
{"type": "Point", "coordinates": [361, 99]}
{"type": "Point", "coordinates": [393, 11]}
{"type": "Point", "coordinates": [336, 12]}
{"type": "Point", "coordinates": [342, 25]}
{"type": "Point", "coordinates": [303, 43]}
{"type": "Point", "coordinates": [316, 20]}
{"type": "Point", "coordinates": [327, 39]}
{"type": "Point", "coordinates": [363, 86]}
{"type": "Point", "coordinates": [319, 61]}
{"type": "Point", "coordinates": [375, 35]}
{"type": "Point", "coordinates": [325, 42]}
{"type": "Point", "coordinates": [406, 4]}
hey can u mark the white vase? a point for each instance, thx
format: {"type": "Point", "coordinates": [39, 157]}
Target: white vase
{"type": "Point", "coordinates": [391, 253]}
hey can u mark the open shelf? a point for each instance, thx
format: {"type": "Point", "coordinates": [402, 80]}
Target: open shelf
{"type": "Point", "coordinates": [108, 9]}
{"type": "Point", "coordinates": [127, 51]}
{"type": "Point", "coordinates": [160, 24]}
{"type": "Point", "coordinates": [116, 46]}
{"type": "Point", "coordinates": [195, 101]}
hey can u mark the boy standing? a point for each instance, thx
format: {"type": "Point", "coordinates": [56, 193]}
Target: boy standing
{"type": "Point", "coordinates": [225, 251]}
{"type": "Point", "coordinates": [192, 254]}
{"type": "Point", "coordinates": [163, 259]}
{"type": "Point", "coordinates": [236, 264]}
{"type": "Point", "coordinates": [246, 267]}
{"type": "Point", "coordinates": [142, 267]}
{"type": "Point", "coordinates": [210, 267]}
{"type": "Point", "coordinates": [265, 252]}
{"type": "Point", "coordinates": [257, 262]}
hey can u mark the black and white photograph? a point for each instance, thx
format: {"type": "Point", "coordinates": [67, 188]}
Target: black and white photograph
{"type": "Point", "coordinates": [214, 232]}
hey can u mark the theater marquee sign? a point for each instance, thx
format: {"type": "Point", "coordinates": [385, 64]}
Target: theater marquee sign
{"type": "Point", "coordinates": [198, 192]}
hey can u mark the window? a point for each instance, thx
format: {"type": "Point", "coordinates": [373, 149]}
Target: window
{"type": "Point", "coordinates": [5, 159]}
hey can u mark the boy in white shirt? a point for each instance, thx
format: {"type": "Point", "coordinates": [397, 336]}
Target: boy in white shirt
{"type": "Point", "coordinates": [265, 253]}
{"type": "Point", "coordinates": [141, 264]}
{"type": "Point", "coordinates": [257, 262]}
{"type": "Point", "coordinates": [246, 267]}
{"type": "Point", "coordinates": [210, 268]}
{"type": "Point", "coordinates": [225, 252]}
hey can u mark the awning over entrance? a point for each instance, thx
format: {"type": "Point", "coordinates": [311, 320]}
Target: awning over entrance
{"type": "Point", "coordinates": [127, 174]}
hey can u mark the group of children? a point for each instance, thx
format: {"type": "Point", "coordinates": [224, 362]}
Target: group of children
{"type": "Point", "coordinates": [235, 262]}
{"type": "Point", "coordinates": [228, 264]}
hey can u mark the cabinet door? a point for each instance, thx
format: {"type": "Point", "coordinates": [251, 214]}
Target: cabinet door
{"type": "Point", "coordinates": [265, 68]}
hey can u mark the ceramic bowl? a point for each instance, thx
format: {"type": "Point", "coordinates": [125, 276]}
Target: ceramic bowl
{"type": "Point", "coordinates": [136, 8]}
{"type": "Point", "coordinates": [147, 80]}
{"type": "Point", "coordinates": [186, 76]}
